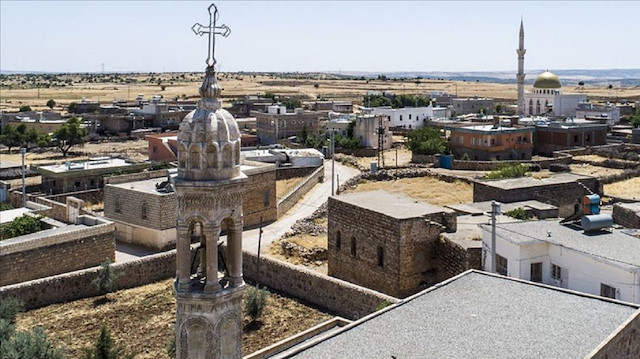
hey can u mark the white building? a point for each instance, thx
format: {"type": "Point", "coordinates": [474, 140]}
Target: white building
{"type": "Point", "coordinates": [407, 117]}
{"type": "Point", "coordinates": [366, 130]}
{"type": "Point", "coordinates": [607, 114]}
{"type": "Point", "coordinates": [546, 97]}
{"type": "Point", "coordinates": [605, 263]}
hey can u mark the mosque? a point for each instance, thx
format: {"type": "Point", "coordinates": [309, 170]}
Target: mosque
{"type": "Point", "coordinates": [546, 97]}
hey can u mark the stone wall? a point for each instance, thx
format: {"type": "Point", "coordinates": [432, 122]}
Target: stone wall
{"type": "Point", "coordinates": [133, 177]}
{"type": "Point", "coordinates": [627, 214]}
{"type": "Point", "coordinates": [358, 152]}
{"type": "Point", "coordinates": [621, 344]}
{"type": "Point", "coordinates": [454, 258]}
{"type": "Point", "coordinates": [152, 210]}
{"type": "Point", "coordinates": [494, 165]}
{"type": "Point", "coordinates": [30, 257]}
{"type": "Point", "coordinates": [283, 173]}
{"type": "Point", "coordinates": [259, 200]}
{"type": "Point", "coordinates": [90, 196]}
{"type": "Point", "coordinates": [291, 198]}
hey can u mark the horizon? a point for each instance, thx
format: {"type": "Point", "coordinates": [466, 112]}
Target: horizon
{"type": "Point", "coordinates": [307, 37]}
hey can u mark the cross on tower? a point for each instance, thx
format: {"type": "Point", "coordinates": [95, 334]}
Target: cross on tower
{"type": "Point", "coordinates": [212, 30]}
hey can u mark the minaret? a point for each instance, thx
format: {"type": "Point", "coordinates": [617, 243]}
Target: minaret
{"type": "Point", "coordinates": [209, 188]}
{"type": "Point", "coordinates": [521, 51]}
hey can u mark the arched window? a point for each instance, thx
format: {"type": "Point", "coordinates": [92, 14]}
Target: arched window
{"type": "Point", "coordinates": [212, 156]}
{"type": "Point", "coordinates": [118, 205]}
{"type": "Point", "coordinates": [194, 157]}
{"type": "Point", "coordinates": [338, 241]}
{"type": "Point", "coordinates": [353, 246]}
{"type": "Point", "coordinates": [226, 156]}
{"type": "Point", "coordinates": [182, 154]}
{"type": "Point", "coordinates": [143, 210]}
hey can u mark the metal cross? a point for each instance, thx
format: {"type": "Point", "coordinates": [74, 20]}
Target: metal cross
{"type": "Point", "coordinates": [212, 30]}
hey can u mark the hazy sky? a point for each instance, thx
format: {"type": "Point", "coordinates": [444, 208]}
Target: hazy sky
{"type": "Point", "coordinates": [80, 36]}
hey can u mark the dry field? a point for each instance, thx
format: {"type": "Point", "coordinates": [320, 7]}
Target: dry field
{"type": "Point", "coordinates": [236, 85]}
{"type": "Point", "coordinates": [284, 186]}
{"type": "Point", "coordinates": [627, 189]}
{"type": "Point", "coordinates": [425, 189]}
{"type": "Point", "coordinates": [596, 171]}
{"type": "Point", "coordinates": [142, 318]}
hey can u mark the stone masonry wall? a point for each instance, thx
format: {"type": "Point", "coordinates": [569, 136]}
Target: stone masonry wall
{"type": "Point", "coordinates": [160, 207]}
{"type": "Point", "coordinates": [287, 173]}
{"type": "Point", "coordinates": [627, 216]}
{"type": "Point", "coordinates": [259, 199]}
{"type": "Point", "coordinates": [454, 259]}
{"type": "Point", "coordinates": [624, 344]}
{"type": "Point", "coordinates": [290, 199]}
{"type": "Point", "coordinates": [59, 253]}
{"type": "Point", "coordinates": [418, 258]}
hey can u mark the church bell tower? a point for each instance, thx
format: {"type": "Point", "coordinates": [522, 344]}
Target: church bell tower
{"type": "Point", "coordinates": [209, 187]}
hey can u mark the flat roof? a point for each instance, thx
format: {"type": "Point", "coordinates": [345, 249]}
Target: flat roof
{"type": "Point", "coordinates": [11, 214]}
{"type": "Point", "coordinates": [481, 315]}
{"type": "Point", "coordinates": [86, 165]}
{"type": "Point", "coordinates": [491, 129]}
{"type": "Point", "coordinates": [611, 245]}
{"type": "Point", "coordinates": [527, 182]}
{"type": "Point", "coordinates": [394, 205]}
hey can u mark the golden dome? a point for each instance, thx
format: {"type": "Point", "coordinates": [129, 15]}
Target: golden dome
{"type": "Point", "coordinates": [547, 80]}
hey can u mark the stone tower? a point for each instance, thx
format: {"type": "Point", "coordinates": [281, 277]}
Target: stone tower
{"type": "Point", "coordinates": [209, 187]}
{"type": "Point", "coordinates": [521, 51]}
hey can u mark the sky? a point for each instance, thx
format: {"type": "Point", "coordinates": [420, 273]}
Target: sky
{"type": "Point", "coordinates": [307, 36]}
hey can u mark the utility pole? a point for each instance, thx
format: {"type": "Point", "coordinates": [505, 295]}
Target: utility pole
{"type": "Point", "coordinates": [380, 143]}
{"type": "Point", "coordinates": [259, 245]}
{"type": "Point", "coordinates": [495, 210]}
{"type": "Point", "coordinates": [333, 163]}
{"type": "Point", "coordinates": [23, 151]}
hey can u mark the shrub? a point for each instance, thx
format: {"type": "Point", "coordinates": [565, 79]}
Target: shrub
{"type": "Point", "coordinates": [255, 302]}
{"type": "Point", "coordinates": [105, 348]}
{"type": "Point", "coordinates": [465, 157]}
{"type": "Point", "coordinates": [426, 141]}
{"type": "Point", "coordinates": [9, 309]}
{"type": "Point", "coordinates": [5, 206]}
{"type": "Point", "coordinates": [509, 171]}
{"type": "Point", "coordinates": [105, 282]}
{"type": "Point", "coordinates": [20, 226]}
{"type": "Point", "coordinates": [519, 213]}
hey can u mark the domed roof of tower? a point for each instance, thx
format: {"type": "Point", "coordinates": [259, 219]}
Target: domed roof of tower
{"type": "Point", "coordinates": [208, 138]}
{"type": "Point", "coordinates": [547, 80]}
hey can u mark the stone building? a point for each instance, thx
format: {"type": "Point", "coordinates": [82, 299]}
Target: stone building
{"type": "Point", "coordinates": [557, 136]}
{"type": "Point", "coordinates": [492, 142]}
{"type": "Point", "coordinates": [472, 105]}
{"type": "Point", "coordinates": [277, 124]}
{"type": "Point", "coordinates": [386, 242]}
{"type": "Point", "coordinates": [563, 190]}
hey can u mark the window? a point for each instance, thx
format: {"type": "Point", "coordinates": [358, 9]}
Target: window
{"type": "Point", "coordinates": [400, 117]}
{"type": "Point", "coordinates": [473, 141]}
{"type": "Point", "coordinates": [143, 210]}
{"type": "Point", "coordinates": [93, 182]}
{"type": "Point", "coordinates": [607, 291]}
{"type": "Point", "coordinates": [556, 272]}
{"type": "Point", "coordinates": [338, 241]}
{"type": "Point", "coordinates": [575, 139]}
{"type": "Point", "coordinates": [536, 272]}
{"type": "Point", "coordinates": [76, 184]}
{"type": "Point", "coordinates": [353, 246]}
{"type": "Point", "coordinates": [155, 149]}
{"type": "Point", "coordinates": [409, 116]}
{"type": "Point", "coordinates": [265, 198]}
{"type": "Point", "coordinates": [381, 256]}
{"type": "Point", "coordinates": [501, 264]}
{"type": "Point", "coordinates": [118, 205]}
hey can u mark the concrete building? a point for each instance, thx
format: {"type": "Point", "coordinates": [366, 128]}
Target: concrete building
{"type": "Point", "coordinates": [492, 142]}
{"type": "Point", "coordinates": [604, 262]}
{"type": "Point", "coordinates": [366, 130]}
{"type": "Point", "coordinates": [554, 136]}
{"type": "Point", "coordinates": [77, 176]}
{"type": "Point", "coordinates": [162, 146]}
{"type": "Point", "coordinates": [407, 117]}
{"type": "Point", "coordinates": [386, 242]}
{"type": "Point", "coordinates": [277, 124]}
{"type": "Point", "coordinates": [606, 114]}
{"type": "Point", "coordinates": [41, 121]}
{"type": "Point", "coordinates": [462, 106]}
{"type": "Point", "coordinates": [563, 190]}
{"type": "Point", "coordinates": [547, 98]}
{"type": "Point", "coordinates": [482, 315]}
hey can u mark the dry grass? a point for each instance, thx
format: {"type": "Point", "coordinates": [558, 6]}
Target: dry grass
{"type": "Point", "coordinates": [425, 189]}
{"type": "Point", "coordinates": [284, 186]}
{"type": "Point", "coordinates": [627, 189]}
{"type": "Point", "coordinates": [142, 318]}
{"type": "Point", "coordinates": [596, 171]}
{"type": "Point", "coordinates": [404, 158]}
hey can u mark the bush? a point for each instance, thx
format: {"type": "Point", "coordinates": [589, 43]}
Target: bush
{"type": "Point", "coordinates": [25, 108]}
{"type": "Point", "coordinates": [255, 302]}
{"type": "Point", "coordinates": [559, 167]}
{"type": "Point", "coordinates": [519, 213]}
{"type": "Point", "coordinates": [9, 309]}
{"type": "Point", "coordinates": [509, 171]}
{"type": "Point", "coordinates": [105, 348]}
{"type": "Point", "coordinates": [20, 226]}
{"type": "Point", "coordinates": [106, 280]}
{"type": "Point", "coordinates": [5, 206]}
{"type": "Point", "coordinates": [426, 141]}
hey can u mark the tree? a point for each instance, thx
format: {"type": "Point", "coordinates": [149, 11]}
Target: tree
{"type": "Point", "coordinates": [426, 141]}
{"type": "Point", "coordinates": [72, 107]}
{"type": "Point", "coordinates": [69, 135]}
{"type": "Point", "coordinates": [51, 103]}
{"type": "Point", "coordinates": [255, 302]}
{"type": "Point", "coordinates": [106, 280]}
{"type": "Point", "coordinates": [292, 103]}
{"type": "Point", "coordinates": [635, 119]}
{"type": "Point", "coordinates": [25, 108]}
{"type": "Point", "coordinates": [20, 226]}
{"type": "Point", "coordinates": [105, 348]}
{"type": "Point", "coordinates": [10, 137]}
{"type": "Point", "coordinates": [498, 108]}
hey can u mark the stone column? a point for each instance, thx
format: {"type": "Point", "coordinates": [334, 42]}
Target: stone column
{"type": "Point", "coordinates": [183, 257]}
{"type": "Point", "coordinates": [212, 233]}
{"type": "Point", "coordinates": [234, 253]}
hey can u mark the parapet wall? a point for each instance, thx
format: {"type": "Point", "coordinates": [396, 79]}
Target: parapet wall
{"type": "Point", "coordinates": [133, 177]}
{"type": "Point", "coordinates": [60, 252]}
{"type": "Point", "coordinates": [291, 198]}
{"type": "Point", "coordinates": [621, 344]}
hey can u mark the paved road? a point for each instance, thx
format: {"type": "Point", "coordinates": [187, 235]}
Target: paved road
{"type": "Point", "coordinates": [304, 208]}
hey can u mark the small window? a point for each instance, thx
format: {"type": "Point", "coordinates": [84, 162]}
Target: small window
{"type": "Point", "coordinates": [575, 139]}
{"type": "Point", "coordinates": [143, 210]}
{"type": "Point", "coordinates": [353, 246]}
{"type": "Point", "coordinates": [93, 182]}
{"type": "Point", "coordinates": [381, 256]}
{"type": "Point", "coordinates": [118, 205]}
{"type": "Point", "coordinates": [265, 198]}
{"type": "Point", "coordinates": [501, 264]}
{"type": "Point", "coordinates": [607, 291]}
{"type": "Point", "coordinates": [400, 117]}
{"type": "Point", "coordinates": [556, 272]}
{"type": "Point", "coordinates": [155, 149]}
{"type": "Point", "coordinates": [76, 184]}
{"type": "Point", "coordinates": [409, 116]}
{"type": "Point", "coordinates": [338, 241]}
{"type": "Point", "coordinates": [536, 272]}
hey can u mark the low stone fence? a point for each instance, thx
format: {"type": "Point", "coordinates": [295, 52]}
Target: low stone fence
{"type": "Point", "coordinates": [422, 159]}
{"type": "Point", "coordinates": [283, 173]}
{"type": "Point", "coordinates": [291, 198]}
{"type": "Point", "coordinates": [627, 215]}
{"type": "Point", "coordinates": [90, 196]}
{"type": "Point", "coordinates": [495, 165]}
{"type": "Point", "coordinates": [358, 152]}
{"type": "Point", "coordinates": [625, 175]}
{"type": "Point", "coordinates": [133, 177]}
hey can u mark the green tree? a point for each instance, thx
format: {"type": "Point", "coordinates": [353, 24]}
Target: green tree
{"type": "Point", "coordinates": [51, 103]}
{"type": "Point", "coordinates": [105, 348]}
{"type": "Point", "coordinates": [69, 135]}
{"type": "Point", "coordinates": [20, 226]}
{"type": "Point", "coordinates": [635, 119]}
{"type": "Point", "coordinates": [292, 103]}
{"type": "Point", "coordinates": [5, 206]}
{"type": "Point", "coordinates": [11, 137]}
{"type": "Point", "coordinates": [255, 302]}
{"type": "Point", "coordinates": [25, 108]}
{"type": "Point", "coordinates": [106, 280]}
{"type": "Point", "coordinates": [426, 141]}
{"type": "Point", "coordinates": [519, 213]}
{"type": "Point", "coordinates": [72, 107]}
